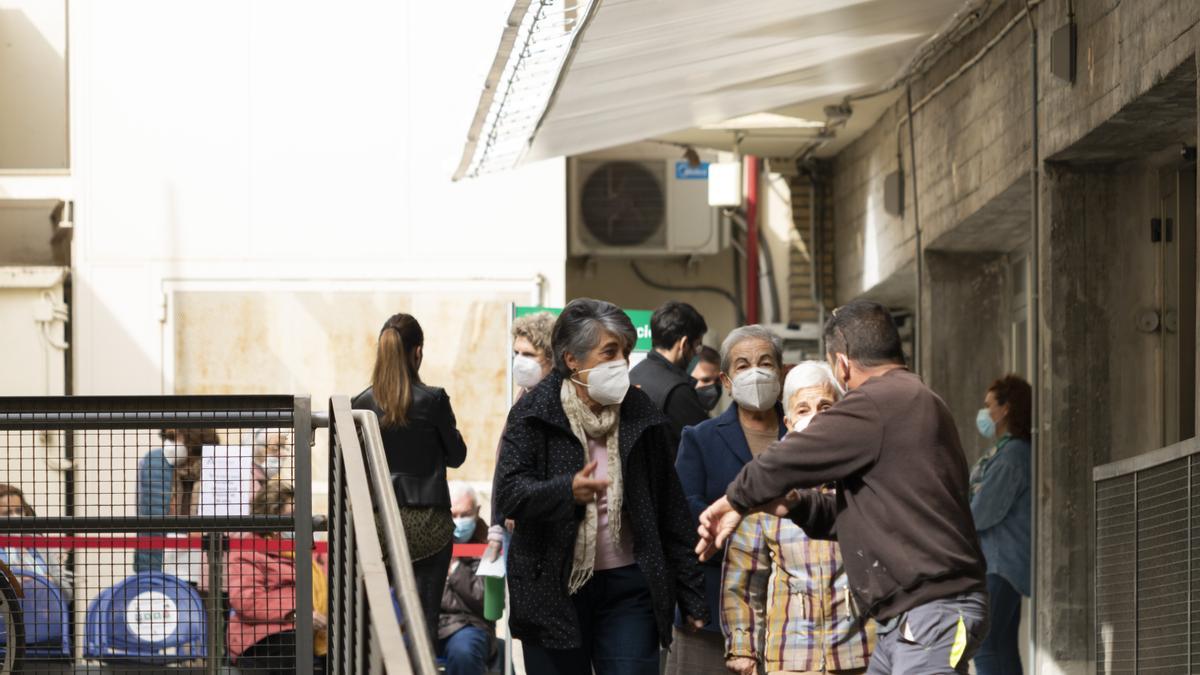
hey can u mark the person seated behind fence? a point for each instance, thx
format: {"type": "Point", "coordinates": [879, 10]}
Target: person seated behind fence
{"type": "Point", "coordinates": [166, 486]}
{"type": "Point", "coordinates": [262, 595]}
{"type": "Point", "coordinates": [465, 639]}
{"type": "Point", "coordinates": [785, 604]}
{"type": "Point", "coordinates": [46, 563]}
{"type": "Point", "coordinates": [270, 456]}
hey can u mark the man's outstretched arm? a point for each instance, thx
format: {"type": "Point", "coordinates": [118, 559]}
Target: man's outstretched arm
{"type": "Point", "coordinates": [840, 443]}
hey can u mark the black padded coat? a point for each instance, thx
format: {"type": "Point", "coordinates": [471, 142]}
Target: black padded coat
{"type": "Point", "coordinates": [539, 457]}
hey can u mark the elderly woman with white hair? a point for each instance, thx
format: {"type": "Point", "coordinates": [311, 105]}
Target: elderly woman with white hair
{"type": "Point", "coordinates": [785, 604]}
{"type": "Point", "coordinates": [712, 453]}
{"type": "Point", "coordinates": [600, 553]}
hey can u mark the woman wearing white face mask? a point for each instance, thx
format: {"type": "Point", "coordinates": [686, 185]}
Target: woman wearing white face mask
{"type": "Point", "coordinates": [532, 356]}
{"type": "Point", "coordinates": [712, 453]}
{"type": "Point", "coordinates": [785, 601]}
{"type": "Point", "coordinates": [533, 360]}
{"type": "Point", "coordinates": [599, 557]}
{"type": "Point", "coordinates": [270, 449]}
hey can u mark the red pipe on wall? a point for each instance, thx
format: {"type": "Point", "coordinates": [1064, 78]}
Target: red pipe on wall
{"type": "Point", "coordinates": [752, 292]}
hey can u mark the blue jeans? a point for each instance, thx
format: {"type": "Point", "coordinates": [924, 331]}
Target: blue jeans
{"type": "Point", "coordinates": [1000, 653]}
{"type": "Point", "coordinates": [466, 651]}
{"type": "Point", "coordinates": [620, 634]}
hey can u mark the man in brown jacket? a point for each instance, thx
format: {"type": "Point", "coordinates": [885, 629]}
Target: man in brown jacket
{"type": "Point", "coordinates": [466, 640]}
{"type": "Point", "coordinates": [901, 514]}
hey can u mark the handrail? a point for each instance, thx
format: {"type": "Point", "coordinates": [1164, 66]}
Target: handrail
{"type": "Point", "coordinates": [389, 647]}
{"type": "Point", "coordinates": [397, 543]}
{"type": "Point", "coordinates": [1147, 460]}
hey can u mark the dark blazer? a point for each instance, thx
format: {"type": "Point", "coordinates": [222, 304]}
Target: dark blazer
{"type": "Point", "coordinates": [419, 453]}
{"type": "Point", "coordinates": [539, 457]}
{"type": "Point", "coordinates": [710, 456]}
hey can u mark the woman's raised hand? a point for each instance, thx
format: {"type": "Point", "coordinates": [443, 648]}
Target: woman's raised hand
{"type": "Point", "coordinates": [584, 487]}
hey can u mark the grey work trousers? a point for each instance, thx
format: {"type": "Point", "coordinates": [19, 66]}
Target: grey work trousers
{"type": "Point", "coordinates": [937, 638]}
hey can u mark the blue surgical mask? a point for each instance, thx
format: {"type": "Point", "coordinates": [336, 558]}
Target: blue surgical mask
{"type": "Point", "coordinates": [983, 422]}
{"type": "Point", "coordinates": [463, 529]}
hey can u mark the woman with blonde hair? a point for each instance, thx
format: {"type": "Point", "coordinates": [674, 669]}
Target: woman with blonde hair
{"type": "Point", "coordinates": [262, 594]}
{"type": "Point", "coordinates": [420, 439]}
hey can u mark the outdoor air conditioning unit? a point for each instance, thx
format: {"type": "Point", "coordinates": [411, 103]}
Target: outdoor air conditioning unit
{"type": "Point", "coordinates": [641, 208]}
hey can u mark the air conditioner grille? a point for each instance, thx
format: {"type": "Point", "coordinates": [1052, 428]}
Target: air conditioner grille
{"type": "Point", "coordinates": [623, 204]}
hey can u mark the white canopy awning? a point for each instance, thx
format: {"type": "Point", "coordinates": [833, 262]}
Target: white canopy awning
{"type": "Point", "coordinates": [573, 76]}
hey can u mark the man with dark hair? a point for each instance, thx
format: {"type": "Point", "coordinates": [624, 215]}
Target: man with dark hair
{"type": "Point", "coordinates": [901, 512]}
{"type": "Point", "coordinates": [675, 331]}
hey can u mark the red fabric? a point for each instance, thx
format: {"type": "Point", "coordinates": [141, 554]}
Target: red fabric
{"type": "Point", "coordinates": [156, 543]}
{"type": "Point", "coordinates": [262, 593]}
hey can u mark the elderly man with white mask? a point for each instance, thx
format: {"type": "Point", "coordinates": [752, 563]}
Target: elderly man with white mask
{"type": "Point", "coordinates": [785, 596]}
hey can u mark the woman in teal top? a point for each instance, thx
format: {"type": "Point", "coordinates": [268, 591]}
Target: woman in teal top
{"type": "Point", "coordinates": [1000, 486]}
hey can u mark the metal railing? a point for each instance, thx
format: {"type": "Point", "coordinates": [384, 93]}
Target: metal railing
{"type": "Point", "coordinates": [127, 531]}
{"type": "Point", "coordinates": [376, 624]}
{"type": "Point", "coordinates": [1147, 584]}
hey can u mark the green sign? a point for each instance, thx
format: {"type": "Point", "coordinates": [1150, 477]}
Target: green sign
{"type": "Point", "coordinates": [639, 317]}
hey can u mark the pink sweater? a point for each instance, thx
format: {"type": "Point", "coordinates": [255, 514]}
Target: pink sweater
{"type": "Point", "coordinates": [262, 593]}
{"type": "Point", "coordinates": [608, 557]}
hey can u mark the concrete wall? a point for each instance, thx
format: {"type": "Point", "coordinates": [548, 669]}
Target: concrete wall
{"type": "Point", "coordinates": [966, 292]}
{"type": "Point", "coordinates": [612, 279]}
{"type": "Point", "coordinates": [1101, 143]}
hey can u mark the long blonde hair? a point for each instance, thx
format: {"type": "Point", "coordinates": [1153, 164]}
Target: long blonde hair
{"type": "Point", "coordinates": [396, 368]}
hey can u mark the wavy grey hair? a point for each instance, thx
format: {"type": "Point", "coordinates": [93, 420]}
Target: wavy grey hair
{"type": "Point", "coordinates": [578, 329]}
{"type": "Point", "coordinates": [536, 328]}
{"type": "Point", "coordinates": [754, 332]}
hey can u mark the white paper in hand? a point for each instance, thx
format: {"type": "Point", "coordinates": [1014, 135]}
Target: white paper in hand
{"type": "Point", "coordinates": [498, 567]}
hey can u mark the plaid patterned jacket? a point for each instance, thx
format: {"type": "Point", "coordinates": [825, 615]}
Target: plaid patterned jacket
{"type": "Point", "coordinates": [786, 600]}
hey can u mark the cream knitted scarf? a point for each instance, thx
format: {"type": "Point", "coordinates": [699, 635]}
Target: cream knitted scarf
{"type": "Point", "coordinates": [586, 424]}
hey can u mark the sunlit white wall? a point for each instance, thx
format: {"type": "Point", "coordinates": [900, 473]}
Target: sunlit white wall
{"type": "Point", "coordinates": [252, 142]}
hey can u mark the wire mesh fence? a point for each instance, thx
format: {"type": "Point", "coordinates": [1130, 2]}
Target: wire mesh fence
{"type": "Point", "coordinates": [140, 534]}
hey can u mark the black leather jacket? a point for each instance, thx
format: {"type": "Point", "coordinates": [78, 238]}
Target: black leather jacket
{"type": "Point", "coordinates": [419, 453]}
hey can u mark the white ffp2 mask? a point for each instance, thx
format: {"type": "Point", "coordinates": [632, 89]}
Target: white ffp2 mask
{"type": "Point", "coordinates": [756, 389]}
{"type": "Point", "coordinates": [527, 372]}
{"type": "Point", "coordinates": [608, 382]}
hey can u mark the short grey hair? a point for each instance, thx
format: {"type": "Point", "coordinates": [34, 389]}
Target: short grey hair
{"type": "Point", "coordinates": [809, 374]}
{"type": "Point", "coordinates": [459, 488]}
{"type": "Point", "coordinates": [577, 330]}
{"type": "Point", "coordinates": [754, 332]}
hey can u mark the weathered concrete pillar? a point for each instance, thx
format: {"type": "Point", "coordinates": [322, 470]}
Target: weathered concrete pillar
{"type": "Point", "coordinates": [965, 325]}
{"type": "Point", "coordinates": [1073, 392]}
